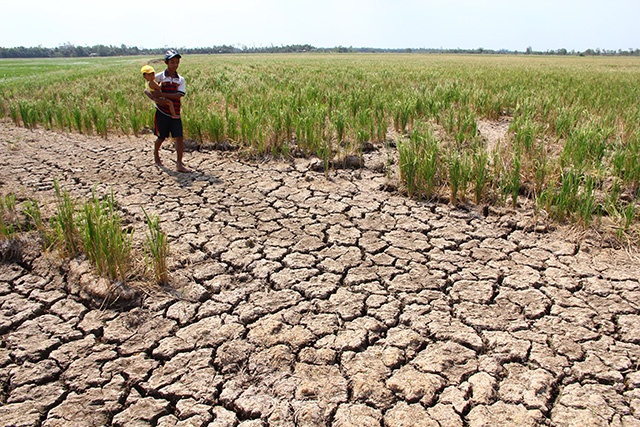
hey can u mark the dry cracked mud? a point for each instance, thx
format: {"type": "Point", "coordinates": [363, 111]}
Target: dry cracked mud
{"type": "Point", "coordinates": [304, 300]}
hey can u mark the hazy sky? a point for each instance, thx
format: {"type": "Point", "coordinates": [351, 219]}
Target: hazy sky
{"type": "Point", "coordinates": [490, 24]}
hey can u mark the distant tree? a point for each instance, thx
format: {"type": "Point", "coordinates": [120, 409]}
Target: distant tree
{"type": "Point", "coordinates": [81, 51]}
{"type": "Point", "coordinates": [69, 50]}
{"type": "Point", "coordinates": [103, 50]}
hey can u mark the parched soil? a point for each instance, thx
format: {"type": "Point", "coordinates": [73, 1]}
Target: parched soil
{"type": "Point", "coordinates": [299, 299]}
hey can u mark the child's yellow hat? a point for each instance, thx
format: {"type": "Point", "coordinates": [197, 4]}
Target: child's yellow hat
{"type": "Point", "coordinates": [147, 69]}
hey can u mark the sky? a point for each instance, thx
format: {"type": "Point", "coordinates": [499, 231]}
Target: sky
{"type": "Point", "coordinates": [394, 24]}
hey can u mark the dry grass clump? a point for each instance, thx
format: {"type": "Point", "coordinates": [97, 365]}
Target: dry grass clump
{"type": "Point", "coordinates": [92, 229]}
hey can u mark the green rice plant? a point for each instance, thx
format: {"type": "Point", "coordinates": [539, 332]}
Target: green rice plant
{"type": "Point", "coordinates": [459, 121]}
{"type": "Point", "coordinates": [135, 124]}
{"type": "Point", "coordinates": [381, 123]}
{"type": "Point", "coordinates": [585, 147]}
{"type": "Point", "coordinates": [248, 126]}
{"type": "Point", "coordinates": [277, 130]}
{"type": "Point", "coordinates": [325, 153]}
{"type": "Point", "coordinates": [60, 119]}
{"type": "Point", "coordinates": [466, 127]}
{"type": "Point", "coordinates": [542, 169]}
{"type": "Point", "coordinates": [34, 219]}
{"type": "Point", "coordinates": [310, 128]}
{"type": "Point", "coordinates": [514, 177]}
{"type": "Point", "coordinates": [561, 202]}
{"type": "Point", "coordinates": [611, 203]}
{"type": "Point", "coordinates": [106, 243]}
{"type": "Point", "coordinates": [13, 221]}
{"type": "Point", "coordinates": [568, 118]}
{"type": "Point", "coordinates": [419, 163]}
{"type": "Point", "coordinates": [479, 174]}
{"type": "Point", "coordinates": [63, 224]}
{"type": "Point", "coordinates": [25, 114]}
{"type": "Point", "coordinates": [33, 215]}
{"type": "Point", "coordinates": [157, 249]}
{"type": "Point", "coordinates": [459, 170]}
{"type": "Point", "coordinates": [77, 118]}
{"type": "Point", "coordinates": [287, 124]}
{"type": "Point", "coordinates": [623, 213]}
{"type": "Point", "coordinates": [99, 120]}
{"type": "Point", "coordinates": [409, 167]}
{"type": "Point", "coordinates": [545, 202]}
{"type": "Point", "coordinates": [619, 159]}
{"type": "Point", "coordinates": [526, 132]}
{"type": "Point", "coordinates": [87, 123]}
{"type": "Point", "coordinates": [489, 106]}
{"type": "Point", "coordinates": [29, 114]}
{"type": "Point", "coordinates": [403, 116]}
{"type": "Point", "coordinates": [510, 175]}
{"type": "Point", "coordinates": [194, 128]}
{"type": "Point", "coordinates": [448, 119]}
{"type": "Point", "coordinates": [365, 125]}
{"type": "Point", "coordinates": [10, 245]}
{"type": "Point", "coordinates": [101, 124]}
{"type": "Point", "coordinates": [628, 216]}
{"type": "Point", "coordinates": [8, 203]}
{"type": "Point", "coordinates": [339, 121]}
{"type": "Point", "coordinates": [9, 223]}
{"type": "Point", "coordinates": [586, 202]}
{"type": "Point", "coordinates": [450, 92]}
{"type": "Point", "coordinates": [48, 115]}
{"type": "Point", "coordinates": [626, 162]}
{"type": "Point", "coordinates": [215, 127]}
{"type": "Point", "coordinates": [14, 113]}
{"type": "Point", "coordinates": [232, 125]}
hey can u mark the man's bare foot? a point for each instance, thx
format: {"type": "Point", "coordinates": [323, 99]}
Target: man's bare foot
{"type": "Point", "coordinates": [159, 162]}
{"type": "Point", "coordinates": [183, 168]}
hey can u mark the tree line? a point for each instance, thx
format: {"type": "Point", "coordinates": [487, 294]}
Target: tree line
{"type": "Point", "coordinates": [70, 51]}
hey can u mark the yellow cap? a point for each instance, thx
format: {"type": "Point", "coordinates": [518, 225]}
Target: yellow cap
{"type": "Point", "coordinates": [147, 69]}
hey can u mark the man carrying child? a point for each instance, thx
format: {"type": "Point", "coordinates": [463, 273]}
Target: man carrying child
{"type": "Point", "coordinates": [168, 122]}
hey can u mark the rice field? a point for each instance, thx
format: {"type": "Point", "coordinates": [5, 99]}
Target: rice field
{"type": "Point", "coordinates": [572, 143]}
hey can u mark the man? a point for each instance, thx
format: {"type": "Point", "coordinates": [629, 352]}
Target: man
{"type": "Point", "coordinates": [173, 88]}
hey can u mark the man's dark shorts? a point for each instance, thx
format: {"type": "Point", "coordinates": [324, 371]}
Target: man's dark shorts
{"type": "Point", "coordinates": [166, 126]}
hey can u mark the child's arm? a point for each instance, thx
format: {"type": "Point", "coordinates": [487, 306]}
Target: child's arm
{"type": "Point", "coordinates": [154, 85]}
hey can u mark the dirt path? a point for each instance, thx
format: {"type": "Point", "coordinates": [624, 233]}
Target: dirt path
{"type": "Point", "coordinates": [306, 301]}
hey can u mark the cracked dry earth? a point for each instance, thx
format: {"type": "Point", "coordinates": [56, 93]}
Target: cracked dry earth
{"type": "Point", "coordinates": [304, 300]}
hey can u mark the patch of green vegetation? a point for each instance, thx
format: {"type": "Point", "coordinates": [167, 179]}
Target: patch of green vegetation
{"type": "Point", "coordinates": [569, 116]}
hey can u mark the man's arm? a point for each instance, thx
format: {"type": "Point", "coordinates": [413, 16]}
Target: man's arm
{"type": "Point", "coordinates": [176, 95]}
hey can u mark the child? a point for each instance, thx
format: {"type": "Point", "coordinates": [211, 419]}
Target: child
{"type": "Point", "coordinates": [155, 91]}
